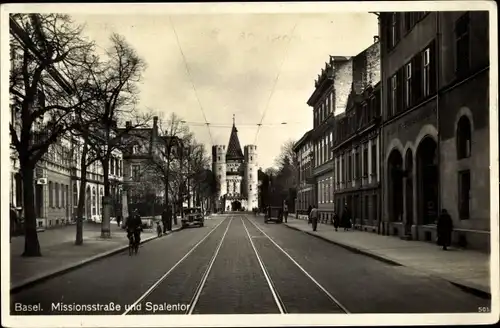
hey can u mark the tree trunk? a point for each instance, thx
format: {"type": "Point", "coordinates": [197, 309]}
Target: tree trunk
{"type": "Point", "coordinates": [31, 244]}
{"type": "Point", "coordinates": [81, 196]}
{"type": "Point", "coordinates": [106, 202]}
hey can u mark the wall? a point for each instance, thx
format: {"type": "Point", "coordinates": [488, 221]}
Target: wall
{"type": "Point", "coordinates": [342, 84]}
{"type": "Point", "coordinates": [470, 99]}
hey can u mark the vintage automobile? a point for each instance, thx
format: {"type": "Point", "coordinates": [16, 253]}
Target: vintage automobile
{"type": "Point", "coordinates": [193, 216]}
{"type": "Point", "coordinates": [274, 214]}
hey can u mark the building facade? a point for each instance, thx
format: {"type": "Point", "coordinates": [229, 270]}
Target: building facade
{"type": "Point", "coordinates": [236, 173]}
{"type": "Point", "coordinates": [330, 94]}
{"type": "Point", "coordinates": [305, 180]}
{"type": "Point", "coordinates": [435, 73]}
{"type": "Point", "coordinates": [356, 143]}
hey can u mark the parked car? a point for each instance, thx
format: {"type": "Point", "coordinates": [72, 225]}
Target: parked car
{"type": "Point", "coordinates": [193, 216]}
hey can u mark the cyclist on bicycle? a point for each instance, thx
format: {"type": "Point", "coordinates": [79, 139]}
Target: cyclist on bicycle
{"type": "Point", "coordinates": [134, 227]}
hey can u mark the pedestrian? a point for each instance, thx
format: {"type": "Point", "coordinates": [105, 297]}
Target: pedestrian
{"type": "Point", "coordinates": [118, 220]}
{"type": "Point", "coordinates": [336, 221]}
{"type": "Point", "coordinates": [313, 217]}
{"type": "Point", "coordinates": [345, 221]}
{"type": "Point", "coordinates": [285, 212]}
{"type": "Point", "coordinates": [158, 228]}
{"type": "Point", "coordinates": [444, 229]}
{"type": "Point", "coordinates": [309, 209]}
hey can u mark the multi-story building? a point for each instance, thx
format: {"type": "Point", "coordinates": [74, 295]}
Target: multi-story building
{"type": "Point", "coordinates": [144, 155]}
{"type": "Point", "coordinates": [435, 73]}
{"type": "Point", "coordinates": [331, 91]}
{"type": "Point", "coordinates": [305, 180]}
{"type": "Point", "coordinates": [236, 173]}
{"type": "Point", "coordinates": [356, 143]}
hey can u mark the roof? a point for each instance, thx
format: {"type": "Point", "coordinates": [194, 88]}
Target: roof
{"type": "Point", "coordinates": [302, 141]}
{"type": "Point", "coordinates": [234, 151]}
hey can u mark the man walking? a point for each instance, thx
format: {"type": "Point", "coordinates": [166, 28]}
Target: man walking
{"type": "Point", "coordinates": [313, 217]}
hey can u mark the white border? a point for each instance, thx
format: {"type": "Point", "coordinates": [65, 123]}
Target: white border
{"type": "Point", "coordinates": [251, 320]}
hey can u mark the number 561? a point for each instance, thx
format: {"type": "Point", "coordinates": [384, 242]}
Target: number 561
{"type": "Point", "coordinates": [483, 309]}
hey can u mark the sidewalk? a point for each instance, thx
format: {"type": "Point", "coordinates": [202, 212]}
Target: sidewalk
{"type": "Point", "coordinates": [466, 268]}
{"type": "Point", "coordinates": [60, 254]}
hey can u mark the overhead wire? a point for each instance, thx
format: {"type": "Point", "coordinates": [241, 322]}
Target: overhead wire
{"type": "Point", "coordinates": [191, 79]}
{"type": "Point", "coordinates": [275, 82]}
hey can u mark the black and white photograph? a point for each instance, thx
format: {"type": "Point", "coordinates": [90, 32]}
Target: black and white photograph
{"type": "Point", "coordinates": [249, 164]}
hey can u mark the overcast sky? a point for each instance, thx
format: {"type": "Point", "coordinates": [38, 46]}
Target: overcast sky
{"type": "Point", "coordinates": [234, 61]}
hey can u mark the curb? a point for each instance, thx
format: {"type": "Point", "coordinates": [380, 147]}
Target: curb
{"type": "Point", "coordinates": [350, 248]}
{"type": "Point", "coordinates": [466, 288]}
{"type": "Point", "coordinates": [41, 278]}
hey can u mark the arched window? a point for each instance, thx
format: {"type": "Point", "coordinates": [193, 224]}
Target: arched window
{"type": "Point", "coordinates": [94, 199]}
{"type": "Point", "coordinates": [464, 137]}
{"type": "Point", "coordinates": [51, 195]}
{"type": "Point", "coordinates": [75, 195]}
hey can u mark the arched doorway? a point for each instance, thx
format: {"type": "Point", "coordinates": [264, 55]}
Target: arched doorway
{"type": "Point", "coordinates": [409, 191]}
{"type": "Point", "coordinates": [428, 177]}
{"type": "Point", "coordinates": [87, 203]}
{"type": "Point", "coordinates": [236, 206]}
{"type": "Point", "coordinates": [395, 165]}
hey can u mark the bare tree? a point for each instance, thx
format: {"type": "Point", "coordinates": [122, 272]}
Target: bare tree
{"type": "Point", "coordinates": [48, 80]}
{"type": "Point", "coordinates": [115, 81]}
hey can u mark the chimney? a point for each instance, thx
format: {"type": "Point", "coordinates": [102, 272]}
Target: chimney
{"type": "Point", "coordinates": [155, 121]}
{"type": "Point", "coordinates": [376, 38]}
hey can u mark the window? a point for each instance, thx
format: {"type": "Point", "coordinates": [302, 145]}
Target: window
{"type": "Point", "coordinates": [427, 72]}
{"type": "Point", "coordinates": [408, 85]}
{"type": "Point", "coordinates": [56, 194]}
{"type": "Point", "coordinates": [394, 92]}
{"type": "Point", "coordinates": [462, 45]}
{"type": "Point", "coordinates": [374, 158]}
{"type": "Point", "coordinates": [51, 194]}
{"type": "Point", "coordinates": [94, 199]}
{"type": "Point", "coordinates": [349, 168]}
{"type": "Point", "coordinates": [365, 162]}
{"type": "Point", "coordinates": [416, 79]}
{"type": "Point", "coordinates": [75, 195]}
{"type": "Point", "coordinates": [112, 165]}
{"type": "Point", "coordinates": [135, 149]}
{"type": "Point", "coordinates": [464, 194]}
{"type": "Point", "coordinates": [62, 195]}
{"type": "Point", "coordinates": [135, 172]}
{"type": "Point", "coordinates": [463, 138]}
{"type": "Point", "coordinates": [358, 165]}
{"type": "Point", "coordinates": [66, 202]}
{"type": "Point", "coordinates": [393, 30]}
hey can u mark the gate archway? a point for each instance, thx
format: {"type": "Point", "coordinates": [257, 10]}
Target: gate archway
{"type": "Point", "coordinates": [235, 206]}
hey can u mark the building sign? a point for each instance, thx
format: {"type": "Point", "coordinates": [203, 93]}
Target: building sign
{"type": "Point", "coordinates": [404, 124]}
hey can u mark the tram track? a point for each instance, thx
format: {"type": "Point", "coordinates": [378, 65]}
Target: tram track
{"type": "Point", "coordinates": [272, 285]}
{"type": "Point", "coordinates": [167, 274]}
{"type": "Point", "coordinates": [209, 248]}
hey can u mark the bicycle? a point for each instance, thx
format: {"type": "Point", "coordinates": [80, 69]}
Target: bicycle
{"type": "Point", "coordinates": [133, 245]}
